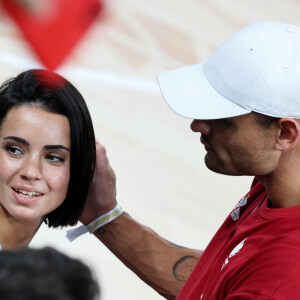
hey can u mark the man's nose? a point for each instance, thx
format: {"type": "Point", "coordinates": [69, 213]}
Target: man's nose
{"type": "Point", "coordinates": [201, 126]}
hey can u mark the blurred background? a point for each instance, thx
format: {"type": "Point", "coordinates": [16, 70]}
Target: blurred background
{"type": "Point", "coordinates": [161, 177]}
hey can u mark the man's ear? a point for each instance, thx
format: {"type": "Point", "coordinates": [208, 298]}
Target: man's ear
{"type": "Point", "coordinates": [288, 134]}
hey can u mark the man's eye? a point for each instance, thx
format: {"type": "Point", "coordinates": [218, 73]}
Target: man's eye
{"type": "Point", "coordinates": [55, 158]}
{"type": "Point", "coordinates": [13, 150]}
{"type": "Point", "coordinates": [225, 121]}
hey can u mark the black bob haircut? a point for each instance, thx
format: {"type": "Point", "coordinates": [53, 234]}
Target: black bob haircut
{"type": "Point", "coordinates": [50, 91]}
{"type": "Point", "coordinates": [34, 274]}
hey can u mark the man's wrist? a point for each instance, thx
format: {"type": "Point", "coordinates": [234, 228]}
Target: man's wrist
{"type": "Point", "coordinates": [94, 212]}
{"type": "Point", "coordinates": [104, 219]}
{"type": "Point", "coordinates": [95, 224]}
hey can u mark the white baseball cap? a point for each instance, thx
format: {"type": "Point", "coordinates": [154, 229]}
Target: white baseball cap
{"type": "Point", "coordinates": [256, 69]}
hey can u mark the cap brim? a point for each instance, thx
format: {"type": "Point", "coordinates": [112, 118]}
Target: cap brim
{"type": "Point", "coordinates": [187, 91]}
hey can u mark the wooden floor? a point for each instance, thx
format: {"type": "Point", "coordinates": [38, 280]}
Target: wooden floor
{"type": "Point", "coordinates": [162, 180]}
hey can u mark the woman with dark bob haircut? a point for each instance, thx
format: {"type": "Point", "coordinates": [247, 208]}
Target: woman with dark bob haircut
{"type": "Point", "coordinates": [47, 155]}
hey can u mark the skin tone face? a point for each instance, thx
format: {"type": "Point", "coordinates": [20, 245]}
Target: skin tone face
{"type": "Point", "coordinates": [238, 145]}
{"type": "Point", "coordinates": [35, 163]}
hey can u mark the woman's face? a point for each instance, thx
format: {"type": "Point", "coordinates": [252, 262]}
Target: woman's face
{"type": "Point", "coordinates": [34, 162]}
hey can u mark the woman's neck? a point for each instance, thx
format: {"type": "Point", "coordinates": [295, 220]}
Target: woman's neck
{"type": "Point", "coordinates": [16, 233]}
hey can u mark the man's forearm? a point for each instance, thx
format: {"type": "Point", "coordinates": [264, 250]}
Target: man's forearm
{"type": "Point", "coordinates": [161, 264]}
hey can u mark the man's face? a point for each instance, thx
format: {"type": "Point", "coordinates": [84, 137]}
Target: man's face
{"type": "Point", "coordinates": [238, 145]}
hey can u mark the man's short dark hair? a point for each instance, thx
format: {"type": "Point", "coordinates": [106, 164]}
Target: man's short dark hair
{"type": "Point", "coordinates": [35, 274]}
{"type": "Point", "coordinates": [263, 120]}
{"type": "Point", "coordinates": [55, 94]}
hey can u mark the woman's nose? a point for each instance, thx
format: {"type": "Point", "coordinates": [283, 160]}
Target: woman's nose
{"type": "Point", "coordinates": [31, 170]}
{"type": "Point", "coordinates": [201, 126]}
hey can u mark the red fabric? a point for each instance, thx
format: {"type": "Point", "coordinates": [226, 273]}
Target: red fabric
{"type": "Point", "coordinates": [54, 37]}
{"type": "Point", "coordinates": [254, 255]}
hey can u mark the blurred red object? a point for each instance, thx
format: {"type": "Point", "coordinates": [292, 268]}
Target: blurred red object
{"type": "Point", "coordinates": [53, 37]}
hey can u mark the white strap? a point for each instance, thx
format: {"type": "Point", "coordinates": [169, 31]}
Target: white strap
{"type": "Point", "coordinates": [73, 234]}
{"type": "Point", "coordinates": [96, 224]}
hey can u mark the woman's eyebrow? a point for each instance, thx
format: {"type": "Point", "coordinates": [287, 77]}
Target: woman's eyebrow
{"type": "Point", "coordinates": [54, 147]}
{"type": "Point", "coordinates": [24, 142]}
{"type": "Point", "coordinates": [17, 139]}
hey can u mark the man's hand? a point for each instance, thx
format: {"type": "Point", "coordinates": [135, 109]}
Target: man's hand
{"type": "Point", "coordinates": [159, 263]}
{"type": "Point", "coordinates": [102, 194]}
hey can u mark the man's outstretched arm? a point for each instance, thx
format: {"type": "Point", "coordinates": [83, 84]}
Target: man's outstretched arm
{"type": "Point", "coordinates": [162, 265]}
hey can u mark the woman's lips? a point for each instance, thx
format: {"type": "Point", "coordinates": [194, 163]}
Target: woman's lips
{"type": "Point", "coordinates": [28, 198]}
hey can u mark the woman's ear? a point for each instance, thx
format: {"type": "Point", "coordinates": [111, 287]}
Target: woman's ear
{"type": "Point", "coordinates": [288, 135]}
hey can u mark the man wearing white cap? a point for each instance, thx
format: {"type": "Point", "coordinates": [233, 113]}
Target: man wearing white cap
{"type": "Point", "coordinates": [245, 102]}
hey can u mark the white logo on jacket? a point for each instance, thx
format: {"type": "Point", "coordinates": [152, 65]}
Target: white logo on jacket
{"type": "Point", "coordinates": [235, 251]}
{"type": "Point", "coordinates": [235, 215]}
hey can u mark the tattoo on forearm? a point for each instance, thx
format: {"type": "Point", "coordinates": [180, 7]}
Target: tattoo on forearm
{"type": "Point", "coordinates": [183, 267]}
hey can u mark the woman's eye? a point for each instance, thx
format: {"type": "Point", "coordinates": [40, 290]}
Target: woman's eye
{"type": "Point", "coordinates": [13, 150]}
{"type": "Point", "coordinates": [55, 158]}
